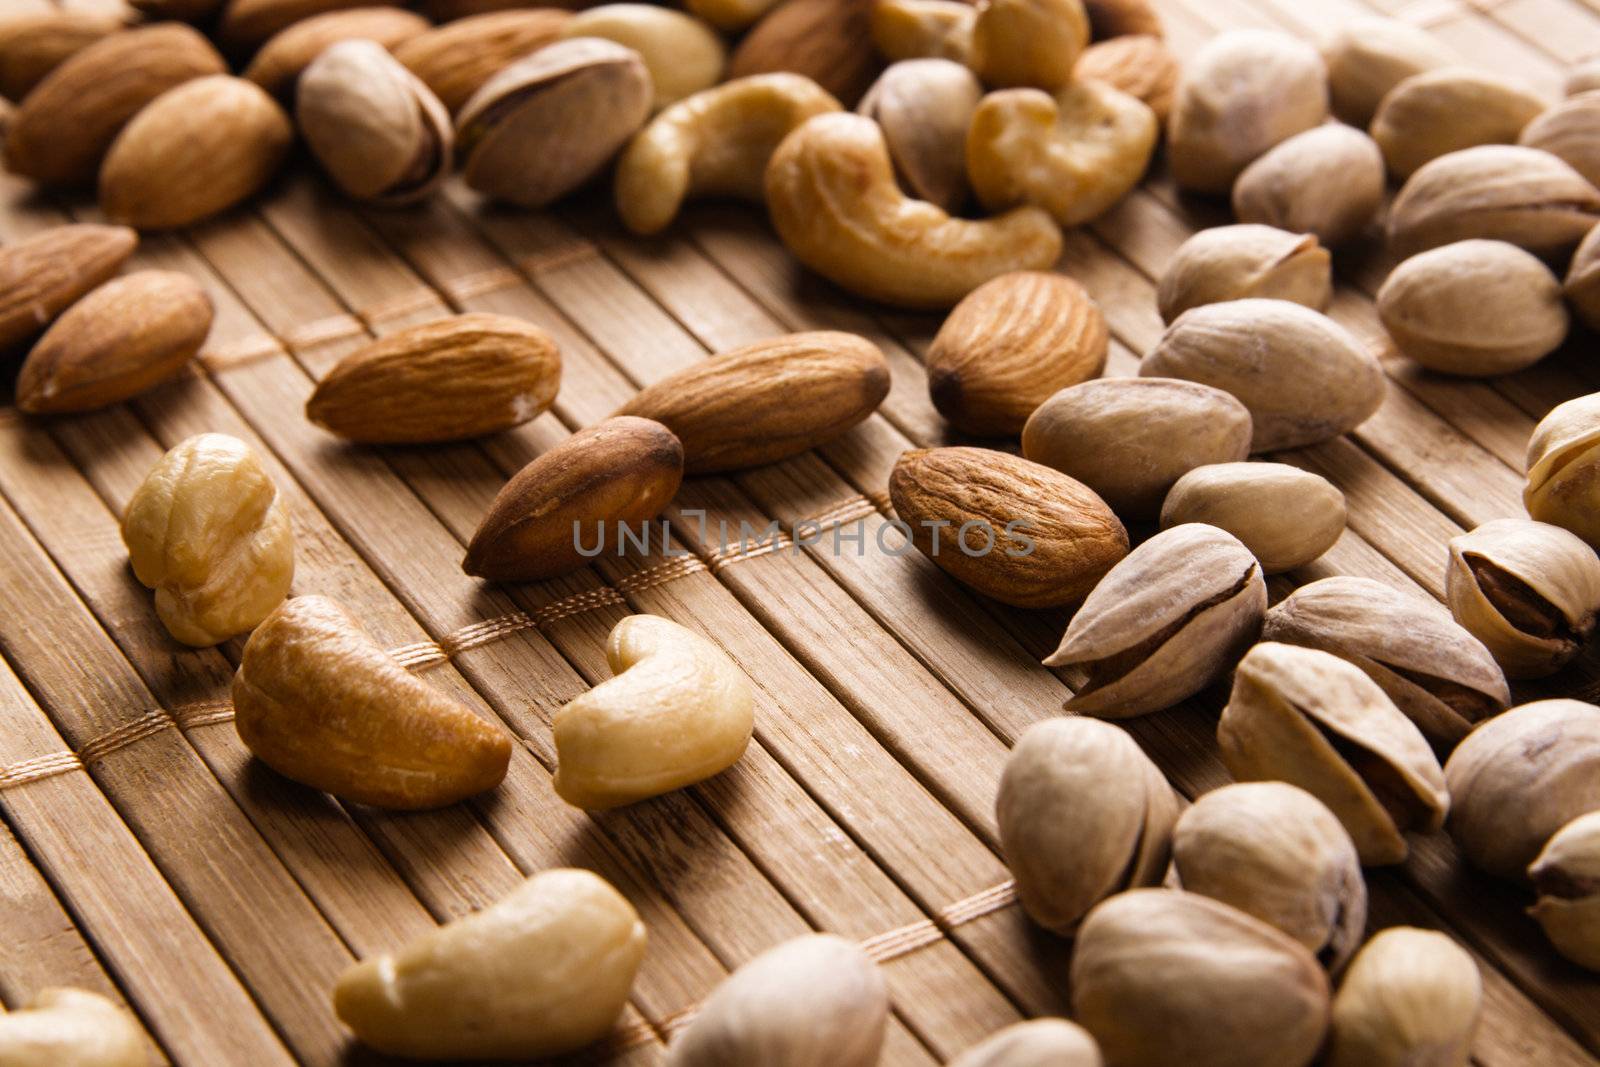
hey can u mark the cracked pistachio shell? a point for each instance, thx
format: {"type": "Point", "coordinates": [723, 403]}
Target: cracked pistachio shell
{"type": "Point", "coordinates": [925, 107]}
{"type": "Point", "coordinates": [1160, 976]}
{"type": "Point", "coordinates": [1083, 814]}
{"type": "Point", "coordinates": [1235, 262]}
{"type": "Point", "coordinates": [1570, 130]}
{"type": "Point", "coordinates": [1304, 377]}
{"type": "Point", "coordinates": [1519, 778]}
{"type": "Point", "coordinates": [1434, 670]}
{"type": "Point", "coordinates": [1274, 851]}
{"type": "Point", "coordinates": [1130, 439]}
{"type": "Point", "coordinates": [1563, 461]}
{"type": "Point", "coordinates": [1445, 110]}
{"type": "Point", "coordinates": [1567, 878]}
{"type": "Point", "coordinates": [373, 126]}
{"type": "Point", "coordinates": [1327, 181]}
{"type": "Point", "coordinates": [1582, 282]}
{"type": "Point", "coordinates": [1370, 56]}
{"type": "Point", "coordinates": [1311, 719]}
{"type": "Point", "coordinates": [1035, 1043]}
{"type": "Point", "coordinates": [1528, 590]}
{"type": "Point", "coordinates": [1164, 623]}
{"type": "Point", "coordinates": [1410, 999]}
{"type": "Point", "coordinates": [1285, 516]}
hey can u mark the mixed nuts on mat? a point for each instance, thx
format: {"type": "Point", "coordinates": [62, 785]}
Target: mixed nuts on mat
{"type": "Point", "coordinates": [930, 155]}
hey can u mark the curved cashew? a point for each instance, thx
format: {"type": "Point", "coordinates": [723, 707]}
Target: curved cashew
{"type": "Point", "coordinates": [1028, 42]}
{"type": "Point", "coordinates": [832, 195]}
{"type": "Point", "coordinates": [678, 711]}
{"type": "Point", "coordinates": [1076, 154]}
{"type": "Point", "coordinates": [923, 29]}
{"type": "Point", "coordinates": [71, 1028]}
{"type": "Point", "coordinates": [715, 143]}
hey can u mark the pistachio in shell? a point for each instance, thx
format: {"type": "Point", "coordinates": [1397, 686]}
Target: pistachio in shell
{"type": "Point", "coordinates": [925, 107]}
{"type": "Point", "coordinates": [1248, 260]}
{"type": "Point", "coordinates": [1566, 877]}
{"type": "Point", "coordinates": [1369, 56]}
{"type": "Point", "coordinates": [1447, 109]}
{"type": "Point", "coordinates": [1570, 130]}
{"type": "Point", "coordinates": [1285, 516]}
{"type": "Point", "coordinates": [1411, 997]}
{"type": "Point", "coordinates": [1326, 181]}
{"type": "Point", "coordinates": [1035, 1043]}
{"type": "Point", "coordinates": [1582, 282]}
{"type": "Point", "coordinates": [1562, 462]}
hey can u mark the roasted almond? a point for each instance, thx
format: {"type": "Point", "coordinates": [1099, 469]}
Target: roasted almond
{"type": "Point", "coordinates": [829, 41]}
{"type": "Point", "coordinates": [767, 401]}
{"type": "Point", "coordinates": [454, 60]}
{"type": "Point", "coordinates": [40, 276]}
{"type": "Point", "coordinates": [246, 25]}
{"type": "Point", "coordinates": [278, 65]}
{"type": "Point", "coordinates": [1139, 65]}
{"type": "Point", "coordinates": [440, 381]}
{"type": "Point", "coordinates": [31, 46]}
{"type": "Point", "coordinates": [118, 341]}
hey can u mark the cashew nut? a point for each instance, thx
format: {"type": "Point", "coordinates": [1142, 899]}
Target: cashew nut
{"type": "Point", "coordinates": [925, 107]}
{"type": "Point", "coordinates": [1077, 154]}
{"type": "Point", "coordinates": [1028, 42]}
{"type": "Point", "coordinates": [677, 712]}
{"type": "Point", "coordinates": [71, 1028]}
{"type": "Point", "coordinates": [714, 143]}
{"type": "Point", "coordinates": [541, 972]}
{"type": "Point", "coordinates": [682, 53]}
{"type": "Point", "coordinates": [832, 196]}
{"type": "Point", "coordinates": [923, 29]}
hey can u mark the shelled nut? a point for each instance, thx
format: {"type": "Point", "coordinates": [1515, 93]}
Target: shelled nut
{"type": "Point", "coordinates": [457, 58]}
{"type": "Point", "coordinates": [1565, 877]}
{"type": "Point", "coordinates": [1285, 516]}
{"type": "Point", "coordinates": [277, 67]}
{"type": "Point", "coordinates": [42, 275]}
{"type": "Point", "coordinates": [1563, 454]}
{"type": "Point", "coordinates": [1238, 262]}
{"type": "Point", "coordinates": [1328, 181]}
{"type": "Point", "coordinates": [1445, 110]}
{"type": "Point", "coordinates": [828, 41]}
{"type": "Point", "coordinates": [64, 1027]}
{"type": "Point", "coordinates": [1031, 43]}
{"type": "Point", "coordinates": [1411, 996]}
{"type": "Point", "coordinates": [32, 45]}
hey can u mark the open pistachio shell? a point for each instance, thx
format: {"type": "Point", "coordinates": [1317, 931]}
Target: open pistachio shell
{"type": "Point", "coordinates": [1567, 878]}
{"type": "Point", "coordinates": [1411, 998]}
{"type": "Point", "coordinates": [1563, 460]}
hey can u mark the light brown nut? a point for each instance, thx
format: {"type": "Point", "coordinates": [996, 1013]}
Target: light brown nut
{"type": "Point", "coordinates": [1582, 283]}
{"type": "Point", "coordinates": [1076, 154]}
{"type": "Point", "coordinates": [543, 971]}
{"type": "Point", "coordinates": [1009, 345]}
{"type": "Point", "coordinates": [1370, 56]}
{"type": "Point", "coordinates": [1563, 454]}
{"type": "Point", "coordinates": [1237, 262]}
{"type": "Point", "coordinates": [1441, 111]}
{"type": "Point", "coordinates": [1243, 92]}
{"type": "Point", "coordinates": [620, 472]}
{"type": "Point", "coordinates": [683, 54]}
{"type": "Point", "coordinates": [1411, 997]}
{"type": "Point", "coordinates": [1582, 77]}
{"type": "Point", "coordinates": [1565, 876]}
{"type": "Point", "coordinates": [1437, 673]}
{"type": "Point", "coordinates": [1571, 131]}
{"type": "Point", "coordinates": [1130, 439]}
{"type": "Point", "coordinates": [59, 134]}
{"type": "Point", "coordinates": [1285, 516]}
{"type": "Point", "coordinates": [678, 711]}
{"type": "Point", "coordinates": [380, 133]}
{"type": "Point", "coordinates": [127, 336]}
{"type": "Point", "coordinates": [923, 29]}
{"type": "Point", "coordinates": [1327, 181]}
{"type": "Point", "coordinates": [715, 143]}
{"type": "Point", "coordinates": [925, 107]}
{"type": "Point", "coordinates": [246, 25]}
{"type": "Point", "coordinates": [551, 121]}
{"type": "Point", "coordinates": [1028, 43]}
{"type": "Point", "coordinates": [829, 41]}
{"type": "Point", "coordinates": [834, 201]}
{"type": "Point", "coordinates": [1304, 377]}
{"type": "Point", "coordinates": [207, 530]}
{"type": "Point", "coordinates": [1013, 530]}
{"type": "Point", "coordinates": [767, 401]}
{"type": "Point", "coordinates": [1121, 18]}
{"type": "Point", "coordinates": [730, 16]}
{"type": "Point", "coordinates": [276, 68]}
{"type": "Point", "coordinates": [62, 1027]}
{"type": "Point", "coordinates": [41, 276]}
{"type": "Point", "coordinates": [1276, 852]}
{"type": "Point", "coordinates": [1159, 977]}
{"type": "Point", "coordinates": [31, 46]}
{"type": "Point", "coordinates": [194, 151]}
{"type": "Point", "coordinates": [1140, 66]}
{"type": "Point", "coordinates": [455, 59]}
{"type": "Point", "coordinates": [1163, 623]}
{"type": "Point", "coordinates": [1311, 719]}
{"type": "Point", "coordinates": [1083, 815]}
{"type": "Point", "coordinates": [1035, 1043]}
{"type": "Point", "coordinates": [318, 701]}
{"type": "Point", "coordinates": [1528, 590]}
{"type": "Point", "coordinates": [1519, 778]}
{"type": "Point", "coordinates": [1498, 192]}
{"type": "Point", "coordinates": [817, 999]}
{"type": "Point", "coordinates": [1475, 308]}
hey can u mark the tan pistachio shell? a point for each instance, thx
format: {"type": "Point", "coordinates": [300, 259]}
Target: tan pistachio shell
{"type": "Point", "coordinates": [1571, 131]}
{"type": "Point", "coordinates": [1563, 457]}
{"type": "Point", "coordinates": [1411, 998]}
{"type": "Point", "coordinates": [1369, 56]}
{"type": "Point", "coordinates": [1142, 66]}
{"type": "Point", "coordinates": [1035, 1043]}
{"type": "Point", "coordinates": [684, 54]}
{"type": "Point", "coordinates": [1328, 182]}
{"type": "Point", "coordinates": [1285, 516]}
{"type": "Point", "coordinates": [1566, 877]}
{"type": "Point", "coordinates": [1445, 110]}
{"type": "Point", "coordinates": [1582, 283]}
{"type": "Point", "coordinates": [1237, 262]}
{"type": "Point", "coordinates": [277, 67]}
{"type": "Point", "coordinates": [925, 107]}
{"type": "Point", "coordinates": [456, 58]}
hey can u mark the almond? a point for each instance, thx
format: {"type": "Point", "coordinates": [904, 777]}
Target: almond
{"type": "Point", "coordinates": [624, 470]}
{"type": "Point", "coordinates": [454, 60]}
{"type": "Point", "coordinates": [191, 11]}
{"type": "Point", "coordinates": [118, 341]}
{"type": "Point", "coordinates": [767, 401]}
{"type": "Point", "coordinates": [60, 132]}
{"type": "Point", "coordinates": [1013, 530]}
{"type": "Point", "coordinates": [195, 151]}
{"type": "Point", "coordinates": [440, 381]}
{"type": "Point", "coordinates": [829, 41]}
{"type": "Point", "coordinates": [1122, 18]}
{"type": "Point", "coordinates": [1139, 65]}
{"type": "Point", "coordinates": [42, 275]}
{"type": "Point", "coordinates": [277, 66]}
{"type": "Point", "coordinates": [1009, 345]}
{"type": "Point", "coordinates": [31, 46]}
{"type": "Point", "coordinates": [246, 25]}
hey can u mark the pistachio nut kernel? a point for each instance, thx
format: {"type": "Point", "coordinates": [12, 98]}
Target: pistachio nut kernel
{"type": "Point", "coordinates": [1237, 262]}
{"type": "Point", "coordinates": [1567, 878]}
{"type": "Point", "coordinates": [1309, 718]}
{"type": "Point", "coordinates": [1528, 590]}
{"type": "Point", "coordinates": [1285, 516]}
{"type": "Point", "coordinates": [1035, 1043]}
{"type": "Point", "coordinates": [1164, 623]}
{"type": "Point", "coordinates": [1083, 814]}
{"type": "Point", "coordinates": [1274, 851]}
{"type": "Point", "coordinates": [1519, 778]}
{"type": "Point", "coordinates": [1411, 998]}
{"type": "Point", "coordinates": [1582, 282]}
{"type": "Point", "coordinates": [1563, 461]}
{"type": "Point", "coordinates": [1434, 670]}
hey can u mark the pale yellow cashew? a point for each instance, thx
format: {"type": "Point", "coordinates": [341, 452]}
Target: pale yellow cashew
{"type": "Point", "coordinates": [1028, 42]}
{"type": "Point", "coordinates": [682, 53]}
{"type": "Point", "coordinates": [71, 1028]}
{"type": "Point", "coordinates": [677, 712]}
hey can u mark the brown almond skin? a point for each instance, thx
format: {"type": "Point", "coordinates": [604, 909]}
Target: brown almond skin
{"type": "Point", "coordinates": [455, 59]}
{"type": "Point", "coordinates": [318, 701]}
{"type": "Point", "coordinates": [1009, 346]}
{"type": "Point", "coordinates": [829, 41]}
{"type": "Point", "coordinates": [125, 337]}
{"type": "Point", "coordinates": [42, 275]}
{"type": "Point", "coordinates": [460, 377]}
{"type": "Point", "coordinates": [1076, 537]}
{"type": "Point", "coordinates": [624, 470]}
{"type": "Point", "coordinates": [246, 25]}
{"type": "Point", "coordinates": [60, 132]}
{"type": "Point", "coordinates": [276, 68]}
{"type": "Point", "coordinates": [1121, 18]}
{"type": "Point", "coordinates": [767, 401]}
{"type": "Point", "coordinates": [31, 46]}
